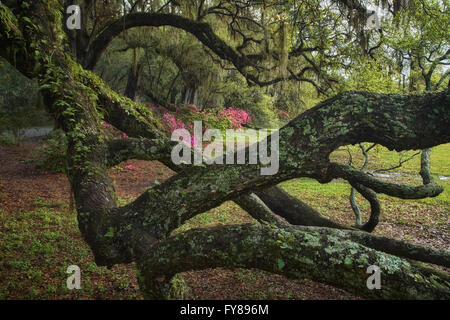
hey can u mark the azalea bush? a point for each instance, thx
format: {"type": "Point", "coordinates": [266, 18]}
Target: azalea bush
{"type": "Point", "coordinates": [52, 155]}
{"type": "Point", "coordinates": [184, 116]}
{"type": "Point", "coordinates": [261, 105]}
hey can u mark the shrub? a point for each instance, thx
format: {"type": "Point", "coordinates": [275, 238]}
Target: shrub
{"type": "Point", "coordinates": [52, 156]}
{"type": "Point", "coordinates": [7, 140]}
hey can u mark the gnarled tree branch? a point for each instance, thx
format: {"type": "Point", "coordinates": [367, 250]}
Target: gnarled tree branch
{"type": "Point", "coordinates": [139, 230]}
{"type": "Point", "coordinates": [295, 254]}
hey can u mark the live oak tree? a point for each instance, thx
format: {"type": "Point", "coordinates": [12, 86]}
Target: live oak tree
{"type": "Point", "coordinates": [303, 244]}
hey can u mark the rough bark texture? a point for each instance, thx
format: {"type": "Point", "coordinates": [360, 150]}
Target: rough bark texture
{"type": "Point", "coordinates": [295, 254]}
{"type": "Point", "coordinates": [140, 231]}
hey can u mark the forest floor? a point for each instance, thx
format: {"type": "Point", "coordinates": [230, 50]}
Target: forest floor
{"type": "Point", "coordinates": [39, 237]}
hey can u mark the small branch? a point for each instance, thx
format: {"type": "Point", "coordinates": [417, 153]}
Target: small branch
{"type": "Point", "coordinates": [352, 199]}
{"type": "Point", "coordinates": [400, 163]}
{"type": "Point", "coordinates": [120, 150]}
{"type": "Point", "coordinates": [352, 175]}
{"type": "Point", "coordinates": [355, 208]}
{"type": "Point", "coordinates": [375, 207]}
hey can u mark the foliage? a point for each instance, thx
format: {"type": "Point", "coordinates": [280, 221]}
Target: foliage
{"type": "Point", "coordinates": [369, 75]}
{"type": "Point", "coordinates": [112, 132]}
{"type": "Point", "coordinates": [7, 140]}
{"type": "Point", "coordinates": [18, 96]}
{"type": "Point", "coordinates": [52, 155]}
{"type": "Point", "coordinates": [420, 40]}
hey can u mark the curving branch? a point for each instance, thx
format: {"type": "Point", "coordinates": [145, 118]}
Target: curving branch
{"type": "Point", "coordinates": [352, 175]}
{"type": "Point", "coordinates": [295, 211]}
{"type": "Point", "coordinates": [375, 207]}
{"type": "Point", "coordinates": [203, 32]}
{"type": "Point", "coordinates": [353, 203]}
{"type": "Point", "coordinates": [139, 231]}
{"type": "Point", "coordinates": [371, 196]}
{"type": "Point", "coordinates": [293, 253]}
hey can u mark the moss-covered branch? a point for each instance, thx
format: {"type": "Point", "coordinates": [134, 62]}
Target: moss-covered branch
{"type": "Point", "coordinates": [356, 176]}
{"type": "Point", "coordinates": [295, 211]}
{"type": "Point", "coordinates": [295, 254]}
{"type": "Point", "coordinates": [375, 207]}
{"type": "Point", "coordinates": [258, 210]}
{"type": "Point", "coordinates": [142, 149]}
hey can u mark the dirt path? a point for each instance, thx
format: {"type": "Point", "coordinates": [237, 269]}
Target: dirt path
{"type": "Point", "coordinates": [21, 183]}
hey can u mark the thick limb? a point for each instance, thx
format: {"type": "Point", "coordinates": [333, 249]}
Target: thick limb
{"type": "Point", "coordinates": [295, 254]}
{"type": "Point", "coordinates": [257, 209]}
{"type": "Point", "coordinates": [293, 210]}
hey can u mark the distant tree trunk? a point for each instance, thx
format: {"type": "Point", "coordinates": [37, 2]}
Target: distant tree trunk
{"type": "Point", "coordinates": [134, 79]}
{"type": "Point", "coordinates": [173, 96]}
{"type": "Point", "coordinates": [190, 95]}
{"type": "Point", "coordinates": [134, 76]}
